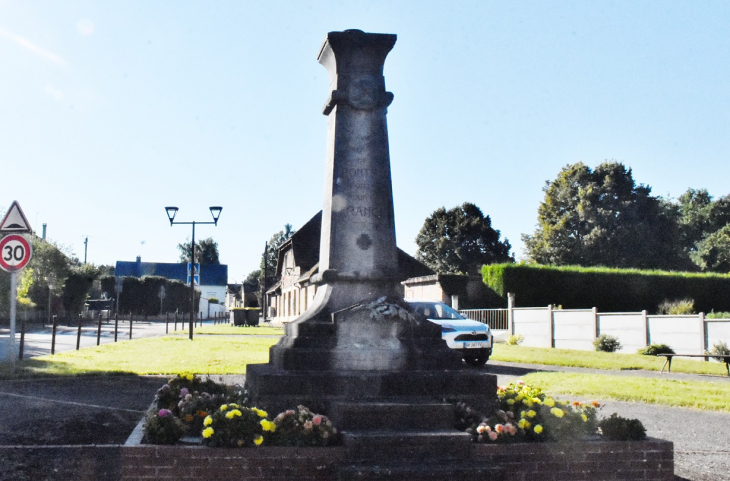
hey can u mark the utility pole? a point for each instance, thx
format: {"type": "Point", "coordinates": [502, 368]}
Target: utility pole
{"type": "Point", "coordinates": [86, 245]}
{"type": "Point", "coordinates": [263, 284]}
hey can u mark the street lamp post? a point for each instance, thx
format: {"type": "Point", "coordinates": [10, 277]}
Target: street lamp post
{"type": "Point", "coordinates": [171, 212]}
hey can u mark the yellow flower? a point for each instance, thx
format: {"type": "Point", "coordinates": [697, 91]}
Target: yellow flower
{"type": "Point", "coordinates": [268, 425]}
{"type": "Point", "coordinates": [207, 421]}
{"type": "Point", "coordinates": [584, 417]}
{"type": "Point", "coordinates": [189, 377]}
{"type": "Point", "coordinates": [538, 429]}
{"type": "Point", "coordinates": [536, 400]}
{"type": "Point", "coordinates": [524, 424]}
{"type": "Point", "coordinates": [258, 440]}
{"type": "Point", "coordinates": [510, 401]}
{"type": "Point", "coordinates": [519, 398]}
{"type": "Point", "coordinates": [549, 402]}
{"type": "Point", "coordinates": [260, 412]}
{"type": "Point", "coordinates": [557, 412]}
{"type": "Point", "coordinates": [233, 413]}
{"type": "Point", "coordinates": [531, 413]}
{"type": "Point", "coordinates": [224, 407]}
{"type": "Point", "coordinates": [207, 432]}
{"type": "Point", "coordinates": [527, 403]}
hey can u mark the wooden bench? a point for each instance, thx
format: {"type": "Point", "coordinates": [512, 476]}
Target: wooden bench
{"type": "Point", "coordinates": [668, 362]}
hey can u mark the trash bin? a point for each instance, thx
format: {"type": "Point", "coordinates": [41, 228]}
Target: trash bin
{"type": "Point", "coordinates": [252, 316]}
{"type": "Point", "coordinates": [238, 316]}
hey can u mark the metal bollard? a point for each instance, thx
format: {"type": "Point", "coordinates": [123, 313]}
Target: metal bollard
{"type": "Point", "coordinates": [22, 340]}
{"type": "Point", "coordinates": [78, 335]}
{"type": "Point", "coordinates": [98, 332]}
{"type": "Point", "coordinates": [53, 335]}
{"type": "Point", "coordinates": [116, 326]}
{"type": "Point", "coordinates": [130, 324]}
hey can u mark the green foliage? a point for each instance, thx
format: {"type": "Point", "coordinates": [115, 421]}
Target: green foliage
{"type": "Point", "coordinates": [606, 343]}
{"type": "Point", "coordinates": [140, 295]}
{"type": "Point", "coordinates": [236, 426]}
{"type": "Point", "coordinates": [206, 252]}
{"type": "Point", "coordinates": [713, 252]}
{"type": "Point", "coordinates": [601, 217]}
{"type": "Point", "coordinates": [303, 428]}
{"type": "Point", "coordinates": [609, 290]}
{"type": "Point", "coordinates": [720, 349]}
{"type": "Point", "coordinates": [213, 300]}
{"type": "Point", "coordinates": [678, 307]}
{"type": "Point", "coordinates": [514, 339]}
{"type": "Point", "coordinates": [718, 315]}
{"type": "Point", "coordinates": [701, 216]}
{"type": "Point", "coordinates": [108, 285]}
{"type": "Point", "coordinates": [76, 288]}
{"type": "Point", "coordinates": [656, 349]}
{"type": "Point", "coordinates": [616, 428]}
{"type": "Point", "coordinates": [525, 413]}
{"type": "Point", "coordinates": [460, 241]}
{"type": "Point", "coordinates": [163, 427]}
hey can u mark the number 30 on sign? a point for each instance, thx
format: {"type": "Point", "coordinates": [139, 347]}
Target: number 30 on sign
{"type": "Point", "coordinates": [15, 252]}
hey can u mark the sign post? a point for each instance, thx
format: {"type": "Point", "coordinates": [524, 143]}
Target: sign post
{"type": "Point", "coordinates": [15, 253]}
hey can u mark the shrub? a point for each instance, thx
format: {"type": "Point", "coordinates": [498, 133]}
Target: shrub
{"type": "Point", "coordinates": [236, 426]}
{"type": "Point", "coordinates": [607, 343]}
{"type": "Point", "coordinates": [718, 315]}
{"type": "Point", "coordinates": [677, 307]}
{"type": "Point", "coordinates": [514, 339]}
{"type": "Point", "coordinates": [616, 428]}
{"type": "Point", "coordinates": [656, 349]}
{"type": "Point", "coordinates": [163, 427]}
{"type": "Point", "coordinates": [525, 413]}
{"type": "Point", "coordinates": [302, 428]}
{"type": "Point", "coordinates": [719, 349]}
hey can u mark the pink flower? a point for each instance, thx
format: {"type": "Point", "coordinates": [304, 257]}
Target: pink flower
{"type": "Point", "coordinates": [499, 428]}
{"type": "Point", "coordinates": [520, 383]}
{"type": "Point", "coordinates": [164, 413]}
{"type": "Point", "coordinates": [317, 420]}
{"type": "Point", "coordinates": [492, 435]}
{"type": "Point", "coordinates": [308, 425]}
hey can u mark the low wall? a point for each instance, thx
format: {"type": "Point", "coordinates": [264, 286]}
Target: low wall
{"type": "Point", "coordinates": [651, 459]}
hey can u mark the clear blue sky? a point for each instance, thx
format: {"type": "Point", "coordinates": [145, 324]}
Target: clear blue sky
{"type": "Point", "coordinates": [111, 110]}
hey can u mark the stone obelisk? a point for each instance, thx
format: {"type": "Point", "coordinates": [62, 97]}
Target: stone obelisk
{"type": "Point", "coordinates": [358, 340]}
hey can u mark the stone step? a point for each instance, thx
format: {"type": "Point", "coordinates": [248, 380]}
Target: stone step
{"type": "Point", "coordinates": [365, 416]}
{"type": "Point", "coordinates": [407, 446]}
{"type": "Point", "coordinates": [456, 471]}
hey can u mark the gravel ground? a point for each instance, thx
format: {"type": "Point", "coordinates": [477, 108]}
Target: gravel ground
{"type": "Point", "coordinates": [104, 410]}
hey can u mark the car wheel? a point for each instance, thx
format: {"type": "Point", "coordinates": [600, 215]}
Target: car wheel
{"type": "Point", "coordinates": [477, 360]}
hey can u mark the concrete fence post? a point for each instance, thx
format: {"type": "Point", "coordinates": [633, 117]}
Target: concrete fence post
{"type": "Point", "coordinates": [511, 313]}
{"type": "Point", "coordinates": [552, 324]}
{"type": "Point", "coordinates": [647, 333]}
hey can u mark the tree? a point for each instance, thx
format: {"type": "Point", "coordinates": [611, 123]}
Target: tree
{"type": "Point", "coordinates": [713, 252]}
{"type": "Point", "coordinates": [460, 240]}
{"type": "Point", "coordinates": [602, 218]}
{"type": "Point", "coordinates": [268, 261]}
{"type": "Point", "coordinates": [701, 217]}
{"type": "Point", "coordinates": [206, 252]}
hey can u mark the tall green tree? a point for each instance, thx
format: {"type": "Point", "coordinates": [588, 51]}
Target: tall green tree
{"type": "Point", "coordinates": [206, 251]}
{"type": "Point", "coordinates": [701, 217]}
{"type": "Point", "coordinates": [713, 252]}
{"type": "Point", "coordinates": [601, 217]}
{"type": "Point", "coordinates": [460, 240]}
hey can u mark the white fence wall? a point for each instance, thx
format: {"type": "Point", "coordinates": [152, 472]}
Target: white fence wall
{"type": "Point", "coordinates": [628, 327]}
{"type": "Point", "coordinates": [683, 333]}
{"type": "Point", "coordinates": [574, 328]}
{"type": "Point", "coordinates": [534, 325]}
{"type": "Point", "coordinates": [578, 328]}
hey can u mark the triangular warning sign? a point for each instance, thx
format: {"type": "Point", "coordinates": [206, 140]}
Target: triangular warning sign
{"type": "Point", "coordinates": [15, 220]}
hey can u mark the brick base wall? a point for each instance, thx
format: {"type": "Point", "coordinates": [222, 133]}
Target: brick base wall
{"type": "Point", "coordinates": [627, 461]}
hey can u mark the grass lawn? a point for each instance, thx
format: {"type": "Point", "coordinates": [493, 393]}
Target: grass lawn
{"type": "Point", "coordinates": [601, 360]}
{"type": "Point", "coordinates": [159, 355]}
{"type": "Point", "coordinates": [230, 329]}
{"type": "Point", "coordinates": [713, 396]}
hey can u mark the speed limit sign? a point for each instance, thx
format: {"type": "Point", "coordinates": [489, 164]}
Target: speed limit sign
{"type": "Point", "coordinates": [15, 252]}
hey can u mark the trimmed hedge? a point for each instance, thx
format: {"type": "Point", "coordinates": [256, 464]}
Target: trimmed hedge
{"type": "Point", "coordinates": [609, 290]}
{"type": "Point", "coordinates": [140, 295]}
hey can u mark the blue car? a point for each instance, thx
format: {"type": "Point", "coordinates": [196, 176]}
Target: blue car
{"type": "Point", "coordinates": [472, 338]}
